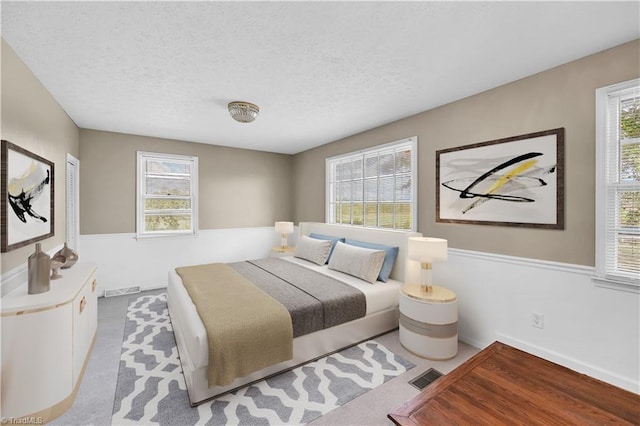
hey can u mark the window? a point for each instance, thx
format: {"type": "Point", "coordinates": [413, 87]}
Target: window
{"type": "Point", "coordinates": [374, 188]}
{"type": "Point", "coordinates": [618, 184]}
{"type": "Point", "coordinates": [167, 194]}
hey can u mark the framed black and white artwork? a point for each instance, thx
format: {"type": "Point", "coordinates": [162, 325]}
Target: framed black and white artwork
{"type": "Point", "coordinates": [27, 187]}
{"type": "Point", "coordinates": [516, 181]}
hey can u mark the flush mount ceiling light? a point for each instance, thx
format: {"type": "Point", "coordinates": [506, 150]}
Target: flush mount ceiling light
{"type": "Point", "coordinates": [243, 112]}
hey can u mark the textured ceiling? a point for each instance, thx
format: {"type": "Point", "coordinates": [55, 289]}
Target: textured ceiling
{"type": "Point", "coordinates": [319, 71]}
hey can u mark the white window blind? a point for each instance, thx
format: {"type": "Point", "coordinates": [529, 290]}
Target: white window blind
{"type": "Point", "coordinates": [618, 183]}
{"type": "Point", "coordinates": [167, 194]}
{"type": "Point", "coordinates": [374, 188]}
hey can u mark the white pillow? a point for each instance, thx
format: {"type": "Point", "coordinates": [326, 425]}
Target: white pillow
{"type": "Point", "coordinates": [314, 250]}
{"type": "Point", "coordinates": [357, 261]}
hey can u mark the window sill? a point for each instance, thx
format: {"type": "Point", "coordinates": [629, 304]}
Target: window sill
{"type": "Point", "coordinates": [349, 225]}
{"type": "Point", "coordinates": [608, 283]}
{"type": "Point", "coordinates": [166, 236]}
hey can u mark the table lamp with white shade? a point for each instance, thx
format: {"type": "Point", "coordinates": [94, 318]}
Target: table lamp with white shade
{"type": "Point", "coordinates": [427, 251]}
{"type": "Point", "coordinates": [284, 229]}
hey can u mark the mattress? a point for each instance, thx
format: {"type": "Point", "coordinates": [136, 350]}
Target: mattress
{"type": "Point", "coordinates": [379, 297]}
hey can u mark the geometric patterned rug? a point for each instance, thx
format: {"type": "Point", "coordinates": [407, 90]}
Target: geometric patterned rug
{"type": "Point", "coordinates": [151, 388]}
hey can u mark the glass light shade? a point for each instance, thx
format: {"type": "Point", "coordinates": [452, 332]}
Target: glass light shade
{"type": "Point", "coordinates": [427, 249]}
{"type": "Point", "coordinates": [284, 227]}
{"type": "Point", "coordinates": [243, 112]}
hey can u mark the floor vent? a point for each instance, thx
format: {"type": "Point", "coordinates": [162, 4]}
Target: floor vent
{"type": "Point", "coordinates": [425, 379]}
{"type": "Point", "coordinates": [122, 291]}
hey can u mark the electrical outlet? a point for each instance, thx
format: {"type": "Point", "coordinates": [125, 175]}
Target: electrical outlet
{"type": "Point", "coordinates": [537, 319]}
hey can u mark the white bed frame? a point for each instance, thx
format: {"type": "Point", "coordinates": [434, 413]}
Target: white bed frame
{"type": "Point", "coordinates": [190, 333]}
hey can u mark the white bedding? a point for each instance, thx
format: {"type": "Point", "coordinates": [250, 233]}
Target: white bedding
{"type": "Point", "coordinates": [380, 296]}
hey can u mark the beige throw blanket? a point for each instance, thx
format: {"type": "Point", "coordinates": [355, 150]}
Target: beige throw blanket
{"type": "Point", "coordinates": [247, 330]}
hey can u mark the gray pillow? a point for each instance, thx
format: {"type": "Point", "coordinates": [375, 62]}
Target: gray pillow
{"type": "Point", "coordinates": [357, 261]}
{"type": "Point", "coordinates": [313, 250]}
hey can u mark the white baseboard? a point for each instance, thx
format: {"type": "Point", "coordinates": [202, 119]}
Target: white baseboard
{"type": "Point", "coordinates": [472, 342]}
{"type": "Point", "coordinates": [142, 289]}
{"type": "Point", "coordinates": [571, 363]}
{"type": "Point", "coordinates": [587, 328]}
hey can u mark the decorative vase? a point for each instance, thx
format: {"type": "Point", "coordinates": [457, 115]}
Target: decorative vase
{"type": "Point", "coordinates": [38, 270]}
{"type": "Point", "coordinates": [56, 264]}
{"type": "Point", "coordinates": [70, 256]}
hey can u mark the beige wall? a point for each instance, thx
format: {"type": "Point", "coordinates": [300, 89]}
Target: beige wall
{"type": "Point", "coordinates": [248, 188]}
{"type": "Point", "coordinates": [560, 97]}
{"type": "Point", "coordinates": [237, 187]}
{"type": "Point", "coordinates": [33, 120]}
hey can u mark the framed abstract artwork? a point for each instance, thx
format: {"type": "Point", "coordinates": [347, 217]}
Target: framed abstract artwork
{"type": "Point", "coordinates": [27, 187]}
{"type": "Point", "coordinates": [516, 181]}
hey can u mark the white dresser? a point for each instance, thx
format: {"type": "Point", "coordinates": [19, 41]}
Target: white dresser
{"type": "Point", "coordinates": [46, 342]}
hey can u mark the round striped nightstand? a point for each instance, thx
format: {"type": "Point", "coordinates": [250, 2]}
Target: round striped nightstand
{"type": "Point", "coordinates": [429, 321]}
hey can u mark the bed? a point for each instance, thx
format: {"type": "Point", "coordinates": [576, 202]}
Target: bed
{"type": "Point", "coordinates": [380, 317]}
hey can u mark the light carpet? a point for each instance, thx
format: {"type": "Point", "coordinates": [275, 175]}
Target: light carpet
{"type": "Point", "coordinates": [151, 387]}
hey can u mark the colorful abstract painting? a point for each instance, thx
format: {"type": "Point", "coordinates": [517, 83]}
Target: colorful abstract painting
{"type": "Point", "coordinates": [516, 181]}
{"type": "Point", "coordinates": [27, 188]}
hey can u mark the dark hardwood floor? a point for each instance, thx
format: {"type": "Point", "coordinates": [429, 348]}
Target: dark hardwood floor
{"type": "Point", "coordinates": [503, 385]}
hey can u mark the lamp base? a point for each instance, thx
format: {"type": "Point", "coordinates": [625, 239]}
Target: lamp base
{"type": "Point", "coordinates": [425, 277]}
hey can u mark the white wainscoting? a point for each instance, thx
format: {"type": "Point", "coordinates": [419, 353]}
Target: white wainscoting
{"type": "Point", "coordinates": [587, 328]}
{"type": "Point", "coordinates": [124, 261]}
{"type": "Point", "coordinates": [18, 276]}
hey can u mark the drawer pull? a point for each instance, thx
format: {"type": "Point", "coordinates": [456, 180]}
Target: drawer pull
{"type": "Point", "coordinates": [83, 303]}
{"type": "Point", "coordinates": [93, 286]}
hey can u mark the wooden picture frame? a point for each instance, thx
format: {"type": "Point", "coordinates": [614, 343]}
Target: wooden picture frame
{"type": "Point", "coordinates": [515, 181]}
{"type": "Point", "coordinates": [27, 188]}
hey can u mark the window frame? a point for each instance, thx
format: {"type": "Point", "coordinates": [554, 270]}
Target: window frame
{"type": "Point", "coordinates": [606, 274]}
{"type": "Point", "coordinates": [142, 158]}
{"type": "Point", "coordinates": [329, 161]}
